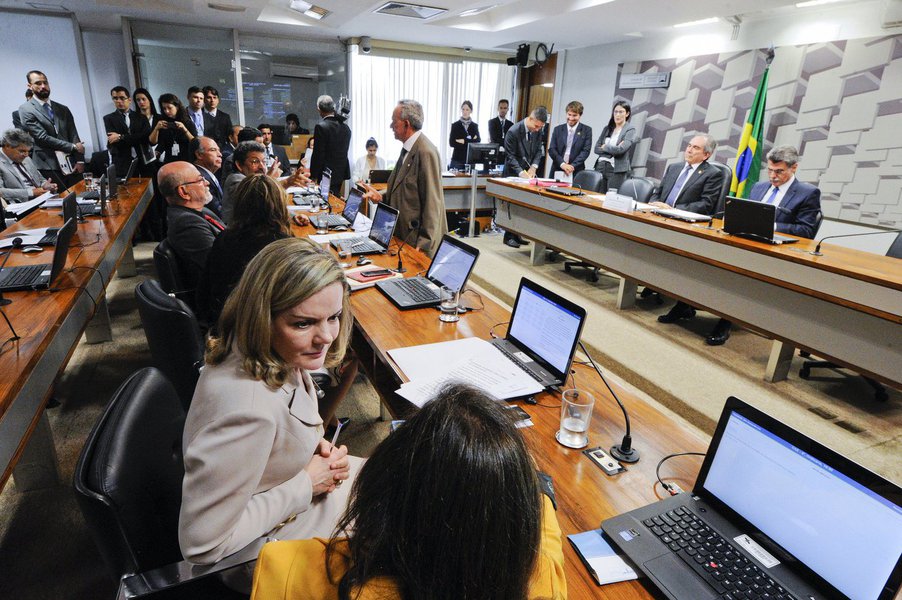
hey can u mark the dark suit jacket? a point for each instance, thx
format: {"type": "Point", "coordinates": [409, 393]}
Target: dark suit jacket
{"type": "Point", "coordinates": [49, 137]}
{"type": "Point", "coordinates": [191, 236]}
{"type": "Point", "coordinates": [17, 122]}
{"type": "Point", "coordinates": [167, 138]}
{"type": "Point", "coordinates": [279, 152]}
{"type": "Point", "coordinates": [333, 136]}
{"type": "Point", "coordinates": [415, 189]}
{"type": "Point", "coordinates": [469, 136]}
{"type": "Point", "coordinates": [582, 146]}
{"type": "Point", "coordinates": [798, 210]}
{"type": "Point", "coordinates": [132, 136]}
{"type": "Point", "coordinates": [218, 127]}
{"type": "Point", "coordinates": [497, 130]}
{"type": "Point", "coordinates": [215, 189]}
{"type": "Point", "coordinates": [700, 193]}
{"type": "Point", "coordinates": [522, 153]}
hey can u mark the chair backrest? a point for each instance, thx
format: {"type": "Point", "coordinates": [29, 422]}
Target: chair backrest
{"type": "Point", "coordinates": [638, 188]}
{"type": "Point", "coordinates": [589, 180]}
{"type": "Point", "coordinates": [173, 335]}
{"type": "Point", "coordinates": [895, 249]}
{"type": "Point", "coordinates": [128, 479]}
{"type": "Point", "coordinates": [169, 268]}
{"type": "Point", "coordinates": [818, 221]}
{"type": "Point", "coordinates": [725, 187]}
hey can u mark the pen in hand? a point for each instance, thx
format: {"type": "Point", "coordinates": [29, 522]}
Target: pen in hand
{"type": "Point", "coordinates": [335, 436]}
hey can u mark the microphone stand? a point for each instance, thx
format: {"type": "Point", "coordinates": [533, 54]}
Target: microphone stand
{"type": "Point", "coordinates": [625, 451]}
{"type": "Point", "coordinates": [817, 249]}
{"type": "Point", "coordinates": [414, 228]}
{"type": "Point", "coordinates": [17, 243]}
{"type": "Point", "coordinates": [473, 231]}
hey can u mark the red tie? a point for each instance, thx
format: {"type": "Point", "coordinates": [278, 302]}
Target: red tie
{"type": "Point", "coordinates": [219, 226]}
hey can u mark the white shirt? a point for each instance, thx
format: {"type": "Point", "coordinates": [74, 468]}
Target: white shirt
{"type": "Point", "coordinates": [781, 192]}
{"type": "Point", "coordinates": [412, 140]}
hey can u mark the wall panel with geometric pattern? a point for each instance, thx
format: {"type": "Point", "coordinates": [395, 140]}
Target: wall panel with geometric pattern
{"type": "Point", "coordinates": [839, 102]}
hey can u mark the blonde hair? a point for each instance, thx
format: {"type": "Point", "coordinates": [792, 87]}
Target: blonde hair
{"type": "Point", "coordinates": [283, 274]}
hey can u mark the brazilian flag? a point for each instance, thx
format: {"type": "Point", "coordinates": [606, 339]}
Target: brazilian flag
{"type": "Point", "coordinates": [748, 156]}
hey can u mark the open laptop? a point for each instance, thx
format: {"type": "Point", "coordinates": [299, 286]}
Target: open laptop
{"type": "Point", "coordinates": [70, 211]}
{"type": "Point", "coordinates": [451, 267]}
{"type": "Point", "coordinates": [112, 181]}
{"type": "Point", "coordinates": [98, 209]}
{"type": "Point", "coordinates": [131, 171]}
{"type": "Point", "coordinates": [380, 175]}
{"type": "Point", "coordinates": [325, 185]}
{"type": "Point", "coordinates": [752, 219]}
{"type": "Point", "coordinates": [384, 220]}
{"type": "Point", "coordinates": [543, 333]}
{"type": "Point", "coordinates": [36, 277]}
{"type": "Point", "coordinates": [800, 520]}
{"type": "Point", "coordinates": [349, 214]}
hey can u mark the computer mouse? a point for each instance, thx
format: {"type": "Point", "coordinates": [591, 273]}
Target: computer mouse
{"type": "Point", "coordinates": [31, 249]}
{"type": "Point", "coordinates": [363, 261]}
{"type": "Point", "coordinates": [339, 228]}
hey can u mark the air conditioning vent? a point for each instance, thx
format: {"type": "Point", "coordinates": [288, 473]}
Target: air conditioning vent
{"type": "Point", "coordinates": [413, 11]}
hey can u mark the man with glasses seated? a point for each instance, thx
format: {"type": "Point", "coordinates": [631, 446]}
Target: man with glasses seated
{"type": "Point", "coordinates": [250, 159]}
{"type": "Point", "coordinates": [191, 226]}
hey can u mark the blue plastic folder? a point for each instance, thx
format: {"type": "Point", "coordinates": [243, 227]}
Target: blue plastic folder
{"type": "Point", "coordinates": [605, 565]}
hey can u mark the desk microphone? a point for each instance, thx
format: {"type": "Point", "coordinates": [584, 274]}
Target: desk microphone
{"type": "Point", "coordinates": [625, 451]}
{"type": "Point", "coordinates": [17, 243]}
{"type": "Point", "coordinates": [817, 249]}
{"type": "Point", "coordinates": [709, 225]}
{"type": "Point", "coordinates": [414, 228]}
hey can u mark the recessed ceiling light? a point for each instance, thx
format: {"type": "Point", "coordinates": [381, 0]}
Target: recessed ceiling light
{"type": "Point", "coordinates": [477, 11]}
{"type": "Point", "coordinates": [414, 11]}
{"type": "Point", "coordinates": [308, 9]}
{"type": "Point", "coordinates": [815, 3]}
{"type": "Point", "coordinates": [300, 5]}
{"type": "Point", "coordinates": [699, 22]}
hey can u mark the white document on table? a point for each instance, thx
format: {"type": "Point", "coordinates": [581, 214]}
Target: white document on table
{"type": "Point", "coordinates": [431, 367]}
{"type": "Point", "coordinates": [29, 237]}
{"type": "Point", "coordinates": [18, 208]}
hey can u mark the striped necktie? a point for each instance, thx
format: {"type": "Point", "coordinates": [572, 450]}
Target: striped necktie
{"type": "Point", "coordinates": [773, 196]}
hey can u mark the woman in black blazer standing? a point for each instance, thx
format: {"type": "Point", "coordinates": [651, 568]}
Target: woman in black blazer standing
{"type": "Point", "coordinates": [463, 133]}
{"type": "Point", "coordinates": [172, 130]}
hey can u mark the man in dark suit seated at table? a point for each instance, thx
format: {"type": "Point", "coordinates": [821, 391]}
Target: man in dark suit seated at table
{"type": "Point", "coordinates": [571, 143]}
{"type": "Point", "coordinates": [191, 226]}
{"type": "Point", "coordinates": [798, 208]}
{"type": "Point", "coordinates": [500, 125]}
{"type": "Point", "coordinates": [524, 151]}
{"type": "Point", "coordinates": [692, 185]}
{"type": "Point", "coordinates": [125, 129]}
{"type": "Point", "coordinates": [208, 160]}
{"type": "Point", "coordinates": [20, 179]}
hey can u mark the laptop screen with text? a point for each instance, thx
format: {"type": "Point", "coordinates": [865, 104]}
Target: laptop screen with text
{"type": "Point", "coordinates": [545, 326]}
{"type": "Point", "coordinates": [452, 264]}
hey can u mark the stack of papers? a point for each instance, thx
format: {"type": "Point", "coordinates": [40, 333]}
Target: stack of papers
{"type": "Point", "coordinates": [29, 237]}
{"type": "Point", "coordinates": [603, 562]}
{"type": "Point", "coordinates": [431, 367]}
{"type": "Point", "coordinates": [20, 208]}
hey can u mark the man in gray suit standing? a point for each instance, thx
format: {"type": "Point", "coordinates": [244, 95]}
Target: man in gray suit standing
{"type": "Point", "coordinates": [53, 128]}
{"type": "Point", "coordinates": [524, 150]}
{"type": "Point", "coordinates": [19, 177]}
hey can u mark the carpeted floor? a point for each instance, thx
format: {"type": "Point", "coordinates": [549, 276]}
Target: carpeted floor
{"type": "Point", "coordinates": [47, 551]}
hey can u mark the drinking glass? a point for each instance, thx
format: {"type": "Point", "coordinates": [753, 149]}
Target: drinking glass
{"type": "Point", "coordinates": [450, 301]}
{"type": "Point", "coordinates": [576, 412]}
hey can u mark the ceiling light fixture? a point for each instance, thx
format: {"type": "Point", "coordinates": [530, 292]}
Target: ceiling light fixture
{"type": "Point", "coordinates": [477, 11]}
{"type": "Point", "coordinates": [308, 9]}
{"type": "Point", "coordinates": [699, 22]}
{"type": "Point", "coordinates": [815, 3]}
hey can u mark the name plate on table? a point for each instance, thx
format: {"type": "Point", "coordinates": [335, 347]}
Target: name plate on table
{"type": "Point", "coordinates": [619, 202]}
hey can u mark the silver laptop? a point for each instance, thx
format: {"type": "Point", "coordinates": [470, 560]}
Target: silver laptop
{"type": "Point", "coordinates": [451, 267]}
{"type": "Point", "coordinates": [772, 511]}
{"type": "Point", "coordinates": [384, 220]}
{"type": "Point", "coordinates": [349, 214]}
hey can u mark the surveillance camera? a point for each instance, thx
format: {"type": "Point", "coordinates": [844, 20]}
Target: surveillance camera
{"type": "Point", "coordinates": [366, 44]}
{"type": "Point", "coordinates": [467, 49]}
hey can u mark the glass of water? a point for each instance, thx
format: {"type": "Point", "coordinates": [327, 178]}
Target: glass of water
{"type": "Point", "coordinates": [322, 224]}
{"type": "Point", "coordinates": [576, 412]}
{"type": "Point", "coordinates": [450, 301]}
{"type": "Point", "coordinates": [89, 182]}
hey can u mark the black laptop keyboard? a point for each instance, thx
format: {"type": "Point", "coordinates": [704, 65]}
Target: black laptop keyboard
{"type": "Point", "coordinates": [519, 362]}
{"type": "Point", "coordinates": [416, 289]}
{"type": "Point", "coordinates": [20, 275]}
{"type": "Point", "coordinates": [360, 244]}
{"type": "Point", "coordinates": [717, 561]}
{"type": "Point", "coordinates": [336, 220]}
{"type": "Point", "coordinates": [49, 238]}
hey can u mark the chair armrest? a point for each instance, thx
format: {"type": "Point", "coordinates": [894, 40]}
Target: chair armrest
{"type": "Point", "coordinates": [156, 580]}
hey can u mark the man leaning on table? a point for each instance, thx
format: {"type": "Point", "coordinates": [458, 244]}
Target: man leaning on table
{"type": "Point", "coordinates": [415, 184]}
{"type": "Point", "coordinates": [20, 179]}
{"type": "Point", "coordinates": [524, 151]}
{"type": "Point", "coordinates": [798, 209]}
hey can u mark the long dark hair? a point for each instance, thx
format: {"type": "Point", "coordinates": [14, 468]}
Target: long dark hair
{"type": "Point", "coordinates": [180, 113]}
{"type": "Point", "coordinates": [447, 506]}
{"type": "Point", "coordinates": [625, 106]}
{"type": "Point", "coordinates": [143, 91]}
{"type": "Point", "coordinates": [259, 208]}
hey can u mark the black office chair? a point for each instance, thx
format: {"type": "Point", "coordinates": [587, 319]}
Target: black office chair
{"type": "Point", "coordinates": [725, 186]}
{"type": "Point", "coordinates": [588, 180]}
{"type": "Point", "coordinates": [173, 335]}
{"type": "Point", "coordinates": [128, 484]}
{"type": "Point", "coordinates": [171, 272]}
{"type": "Point", "coordinates": [880, 394]}
{"type": "Point", "coordinates": [639, 189]}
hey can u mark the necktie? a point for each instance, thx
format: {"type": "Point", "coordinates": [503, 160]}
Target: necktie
{"type": "Point", "coordinates": [216, 224]}
{"type": "Point", "coordinates": [199, 122]}
{"type": "Point", "coordinates": [25, 174]}
{"type": "Point", "coordinates": [675, 191]}
{"type": "Point", "coordinates": [773, 196]}
{"type": "Point", "coordinates": [125, 116]}
{"type": "Point", "coordinates": [570, 134]}
{"type": "Point", "coordinates": [401, 158]}
{"type": "Point", "coordinates": [48, 111]}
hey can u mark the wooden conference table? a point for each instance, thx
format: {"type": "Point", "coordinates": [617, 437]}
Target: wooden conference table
{"type": "Point", "coordinates": [845, 305]}
{"type": "Point", "coordinates": [585, 495]}
{"type": "Point", "coordinates": [50, 323]}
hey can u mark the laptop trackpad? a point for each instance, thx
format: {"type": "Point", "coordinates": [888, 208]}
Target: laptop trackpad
{"type": "Point", "coordinates": [677, 578]}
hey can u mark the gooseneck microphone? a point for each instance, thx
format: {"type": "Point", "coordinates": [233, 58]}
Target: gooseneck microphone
{"type": "Point", "coordinates": [414, 228]}
{"type": "Point", "coordinates": [817, 249]}
{"type": "Point", "coordinates": [625, 451]}
{"type": "Point", "coordinates": [16, 243]}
